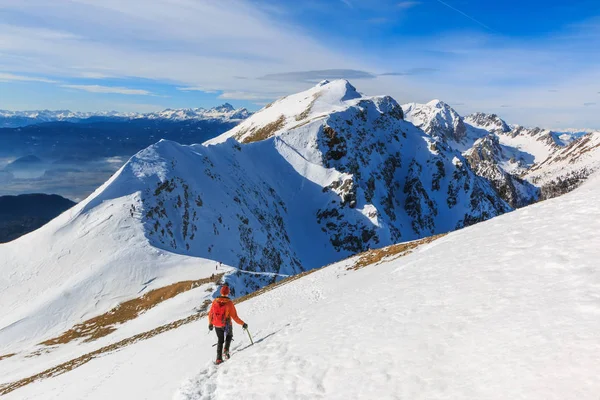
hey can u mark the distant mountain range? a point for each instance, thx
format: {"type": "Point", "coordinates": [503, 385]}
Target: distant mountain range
{"type": "Point", "coordinates": [16, 119]}
{"type": "Point", "coordinates": [71, 153]}
{"type": "Point", "coordinates": [24, 213]}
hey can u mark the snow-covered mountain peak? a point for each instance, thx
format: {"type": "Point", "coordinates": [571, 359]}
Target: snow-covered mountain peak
{"type": "Point", "coordinates": [437, 103]}
{"type": "Point", "coordinates": [296, 110]}
{"type": "Point", "coordinates": [490, 122]}
{"type": "Point", "coordinates": [437, 119]}
{"type": "Point", "coordinates": [225, 107]}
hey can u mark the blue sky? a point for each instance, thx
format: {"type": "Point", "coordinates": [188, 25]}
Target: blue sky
{"type": "Point", "coordinates": [532, 62]}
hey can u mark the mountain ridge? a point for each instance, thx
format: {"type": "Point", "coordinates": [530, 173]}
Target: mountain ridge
{"type": "Point", "coordinates": [15, 119]}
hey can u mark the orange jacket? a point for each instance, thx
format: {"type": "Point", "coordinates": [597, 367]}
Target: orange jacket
{"type": "Point", "coordinates": [230, 313]}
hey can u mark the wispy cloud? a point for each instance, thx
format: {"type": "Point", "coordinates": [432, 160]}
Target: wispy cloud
{"type": "Point", "coordinates": [589, 104]}
{"type": "Point", "coordinates": [408, 4]}
{"type": "Point", "coordinates": [109, 89]}
{"type": "Point", "coordinates": [190, 44]}
{"type": "Point", "coordinates": [7, 77]}
{"type": "Point", "coordinates": [467, 15]}
{"type": "Point", "coordinates": [247, 96]}
{"type": "Point", "coordinates": [318, 75]}
{"type": "Point", "coordinates": [411, 71]}
{"type": "Point", "coordinates": [196, 89]}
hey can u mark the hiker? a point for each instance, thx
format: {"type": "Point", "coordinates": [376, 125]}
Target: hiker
{"type": "Point", "coordinates": [222, 311]}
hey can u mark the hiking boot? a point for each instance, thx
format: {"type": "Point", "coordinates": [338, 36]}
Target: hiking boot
{"type": "Point", "coordinates": [218, 361]}
{"type": "Point", "coordinates": [226, 354]}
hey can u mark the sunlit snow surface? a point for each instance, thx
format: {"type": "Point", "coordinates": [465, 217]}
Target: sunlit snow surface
{"type": "Point", "coordinates": [506, 309]}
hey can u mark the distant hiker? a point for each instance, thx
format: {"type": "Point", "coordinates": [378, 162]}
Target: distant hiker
{"type": "Point", "coordinates": [222, 311]}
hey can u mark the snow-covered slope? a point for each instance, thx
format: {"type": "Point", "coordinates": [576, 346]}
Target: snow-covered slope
{"type": "Point", "coordinates": [504, 309]}
{"type": "Point", "coordinates": [225, 112]}
{"type": "Point", "coordinates": [538, 142]}
{"type": "Point", "coordinates": [566, 168]}
{"type": "Point", "coordinates": [350, 176]}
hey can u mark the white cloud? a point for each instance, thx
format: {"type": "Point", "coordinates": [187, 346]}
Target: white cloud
{"type": "Point", "coordinates": [248, 96]}
{"type": "Point", "coordinates": [408, 4]}
{"type": "Point", "coordinates": [196, 89]}
{"type": "Point", "coordinates": [109, 89]}
{"type": "Point", "coordinates": [7, 77]}
{"type": "Point", "coordinates": [189, 43]}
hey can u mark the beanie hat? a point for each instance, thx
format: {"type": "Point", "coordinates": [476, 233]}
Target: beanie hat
{"type": "Point", "coordinates": [224, 290]}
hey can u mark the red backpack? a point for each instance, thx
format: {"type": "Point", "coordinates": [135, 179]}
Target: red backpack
{"type": "Point", "coordinates": [219, 313]}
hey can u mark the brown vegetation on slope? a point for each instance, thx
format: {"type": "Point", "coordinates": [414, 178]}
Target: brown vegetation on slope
{"type": "Point", "coordinates": [7, 356]}
{"type": "Point", "coordinates": [398, 250]}
{"type": "Point", "coordinates": [263, 133]}
{"type": "Point", "coordinates": [104, 324]}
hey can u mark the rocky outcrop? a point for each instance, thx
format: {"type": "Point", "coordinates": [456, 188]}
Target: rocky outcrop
{"type": "Point", "coordinates": [489, 122]}
{"type": "Point", "coordinates": [485, 158]}
{"type": "Point", "coordinates": [437, 119]}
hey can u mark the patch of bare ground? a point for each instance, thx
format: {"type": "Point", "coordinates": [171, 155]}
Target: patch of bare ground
{"type": "Point", "coordinates": [7, 356]}
{"type": "Point", "coordinates": [304, 114]}
{"type": "Point", "coordinates": [106, 323]}
{"type": "Point", "coordinates": [365, 259]}
{"type": "Point", "coordinates": [307, 121]}
{"type": "Point", "coordinates": [265, 132]}
{"type": "Point", "coordinates": [394, 251]}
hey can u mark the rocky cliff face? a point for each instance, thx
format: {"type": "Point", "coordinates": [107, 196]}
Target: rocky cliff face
{"type": "Point", "coordinates": [486, 158]}
{"type": "Point", "coordinates": [489, 122]}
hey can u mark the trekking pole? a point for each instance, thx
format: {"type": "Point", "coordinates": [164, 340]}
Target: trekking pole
{"type": "Point", "coordinates": [250, 337]}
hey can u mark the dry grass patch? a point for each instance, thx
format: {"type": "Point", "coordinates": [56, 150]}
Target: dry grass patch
{"type": "Point", "coordinates": [7, 356]}
{"type": "Point", "coordinates": [265, 132]}
{"type": "Point", "coordinates": [304, 114]}
{"type": "Point", "coordinates": [106, 323]}
{"type": "Point", "coordinates": [399, 250]}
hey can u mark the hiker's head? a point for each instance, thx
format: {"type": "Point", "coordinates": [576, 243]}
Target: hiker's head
{"type": "Point", "coordinates": [224, 290]}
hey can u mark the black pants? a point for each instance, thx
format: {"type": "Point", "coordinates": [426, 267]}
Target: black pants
{"type": "Point", "coordinates": [223, 338]}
